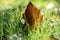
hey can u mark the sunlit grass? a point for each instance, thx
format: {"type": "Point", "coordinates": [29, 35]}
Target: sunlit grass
{"type": "Point", "coordinates": [11, 16]}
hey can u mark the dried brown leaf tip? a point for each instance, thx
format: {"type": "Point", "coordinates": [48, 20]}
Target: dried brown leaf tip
{"type": "Point", "coordinates": [32, 15]}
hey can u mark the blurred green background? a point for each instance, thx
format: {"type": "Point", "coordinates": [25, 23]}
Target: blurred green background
{"type": "Point", "coordinates": [12, 22]}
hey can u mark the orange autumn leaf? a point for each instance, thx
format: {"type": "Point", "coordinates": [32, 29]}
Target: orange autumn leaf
{"type": "Point", "coordinates": [32, 15]}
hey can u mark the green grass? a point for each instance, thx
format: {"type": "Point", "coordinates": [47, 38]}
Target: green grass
{"type": "Point", "coordinates": [10, 22]}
